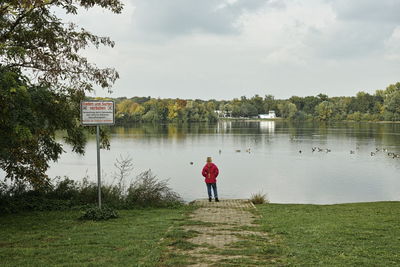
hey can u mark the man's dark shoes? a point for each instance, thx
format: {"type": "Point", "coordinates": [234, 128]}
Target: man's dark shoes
{"type": "Point", "coordinates": [216, 199]}
{"type": "Point", "coordinates": [209, 199]}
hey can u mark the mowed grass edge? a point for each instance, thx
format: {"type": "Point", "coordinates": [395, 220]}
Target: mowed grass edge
{"type": "Point", "coordinates": [359, 234]}
{"type": "Point", "coordinates": [58, 238]}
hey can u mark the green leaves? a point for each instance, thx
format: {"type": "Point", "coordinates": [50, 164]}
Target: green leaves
{"type": "Point", "coordinates": [97, 214]}
{"type": "Point", "coordinates": [22, 132]}
{"type": "Point", "coordinates": [33, 38]}
{"type": "Point", "coordinates": [324, 110]}
{"type": "Point", "coordinates": [391, 105]}
{"type": "Point", "coordinates": [287, 109]}
{"type": "Point", "coordinates": [42, 80]}
{"type": "Point", "coordinates": [29, 119]}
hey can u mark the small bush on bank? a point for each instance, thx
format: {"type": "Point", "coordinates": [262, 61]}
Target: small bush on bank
{"type": "Point", "coordinates": [146, 190]}
{"type": "Point", "coordinates": [259, 198]}
{"type": "Point", "coordinates": [97, 214]}
{"type": "Point", "coordinates": [110, 194]}
{"type": "Point", "coordinates": [62, 194]}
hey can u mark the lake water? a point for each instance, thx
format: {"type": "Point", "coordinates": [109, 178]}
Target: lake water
{"type": "Point", "coordinates": [273, 165]}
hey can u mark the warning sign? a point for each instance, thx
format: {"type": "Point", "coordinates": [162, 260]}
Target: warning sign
{"type": "Point", "coordinates": [97, 112]}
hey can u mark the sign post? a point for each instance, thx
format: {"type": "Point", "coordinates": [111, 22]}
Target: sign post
{"type": "Point", "coordinates": [96, 113]}
{"type": "Point", "coordinates": [98, 164]}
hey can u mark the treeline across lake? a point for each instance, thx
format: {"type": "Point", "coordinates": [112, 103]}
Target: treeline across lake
{"type": "Point", "coordinates": [383, 105]}
{"type": "Point", "coordinates": [147, 109]}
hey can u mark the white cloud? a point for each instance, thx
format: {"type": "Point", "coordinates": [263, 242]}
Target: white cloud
{"type": "Point", "coordinates": [103, 22]}
{"type": "Point", "coordinates": [284, 34]}
{"type": "Point", "coordinates": [226, 3]}
{"type": "Point", "coordinates": [380, 12]}
{"type": "Point", "coordinates": [392, 45]}
{"type": "Point", "coordinates": [225, 49]}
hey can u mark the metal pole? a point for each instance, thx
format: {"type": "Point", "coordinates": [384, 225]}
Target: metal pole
{"type": "Point", "coordinates": [98, 164]}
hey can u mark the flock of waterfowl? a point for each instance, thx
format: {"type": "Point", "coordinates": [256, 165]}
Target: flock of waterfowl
{"type": "Point", "coordinates": [385, 150]}
{"type": "Point", "coordinates": [373, 153]}
{"type": "Point", "coordinates": [327, 150]}
{"type": "Point", "coordinates": [319, 149]}
{"type": "Point", "coordinates": [238, 150]}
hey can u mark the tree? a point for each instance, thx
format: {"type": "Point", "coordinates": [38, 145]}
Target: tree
{"type": "Point", "coordinates": [128, 111]}
{"type": "Point", "coordinates": [323, 97]}
{"type": "Point", "coordinates": [43, 79]}
{"type": "Point", "coordinates": [392, 106]}
{"type": "Point", "coordinates": [33, 38]}
{"type": "Point", "coordinates": [248, 110]}
{"type": "Point", "coordinates": [29, 118]}
{"type": "Point", "coordinates": [235, 103]}
{"type": "Point", "coordinates": [287, 109]}
{"type": "Point", "coordinates": [298, 101]}
{"type": "Point", "coordinates": [340, 107]}
{"type": "Point", "coordinates": [363, 102]}
{"type": "Point", "coordinates": [227, 108]}
{"type": "Point", "coordinates": [310, 102]}
{"type": "Point", "coordinates": [258, 103]}
{"type": "Point", "coordinates": [269, 103]}
{"type": "Point", "coordinates": [173, 111]}
{"type": "Point", "coordinates": [324, 110]}
{"type": "Point", "coordinates": [155, 110]}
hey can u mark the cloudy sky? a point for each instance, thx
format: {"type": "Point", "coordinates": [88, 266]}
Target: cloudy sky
{"type": "Point", "coordinates": [223, 49]}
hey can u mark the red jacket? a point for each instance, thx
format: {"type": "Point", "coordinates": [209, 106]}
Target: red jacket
{"type": "Point", "coordinates": [210, 172]}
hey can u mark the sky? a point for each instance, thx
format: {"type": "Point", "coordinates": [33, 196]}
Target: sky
{"type": "Point", "coordinates": [225, 49]}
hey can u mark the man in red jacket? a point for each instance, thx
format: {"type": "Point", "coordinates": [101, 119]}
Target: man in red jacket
{"type": "Point", "coordinates": [210, 173]}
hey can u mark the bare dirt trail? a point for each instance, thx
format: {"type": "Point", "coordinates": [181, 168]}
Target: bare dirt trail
{"type": "Point", "coordinates": [225, 232]}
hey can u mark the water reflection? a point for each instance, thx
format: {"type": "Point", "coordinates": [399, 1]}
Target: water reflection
{"type": "Point", "coordinates": [383, 134]}
{"type": "Point", "coordinates": [267, 126]}
{"type": "Point", "coordinates": [273, 164]}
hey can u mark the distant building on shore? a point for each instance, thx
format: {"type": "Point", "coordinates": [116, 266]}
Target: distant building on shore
{"type": "Point", "coordinates": [271, 115]}
{"type": "Point", "coordinates": [223, 114]}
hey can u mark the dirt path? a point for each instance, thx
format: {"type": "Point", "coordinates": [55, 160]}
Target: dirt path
{"type": "Point", "coordinates": [226, 234]}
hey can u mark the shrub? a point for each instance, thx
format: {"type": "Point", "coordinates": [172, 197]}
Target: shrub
{"type": "Point", "coordinates": [366, 117]}
{"type": "Point", "coordinates": [64, 193]}
{"type": "Point", "coordinates": [356, 116]}
{"type": "Point", "coordinates": [148, 191]}
{"type": "Point", "coordinates": [97, 214]}
{"type": "Point", "coordinates": [124, 166]}
{"type": "Point", "coordinates": [87, 191]}
{"type": "Point", "coordinates": [259, 198]}
{"type": "Point", "coordinates": [66, 189]}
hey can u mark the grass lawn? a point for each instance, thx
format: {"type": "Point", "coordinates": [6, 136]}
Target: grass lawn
{"type": "Point", "coordinates": [59, 239]}
{"type": "Point", "coordinates": [362, 234]}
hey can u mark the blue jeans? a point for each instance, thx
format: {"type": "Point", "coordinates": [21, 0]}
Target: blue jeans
{"type": "Point", "coordinates": [214, 188]}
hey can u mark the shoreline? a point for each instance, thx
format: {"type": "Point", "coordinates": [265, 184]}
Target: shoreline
{"type": "Point", "coordinates": [288, 120]}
